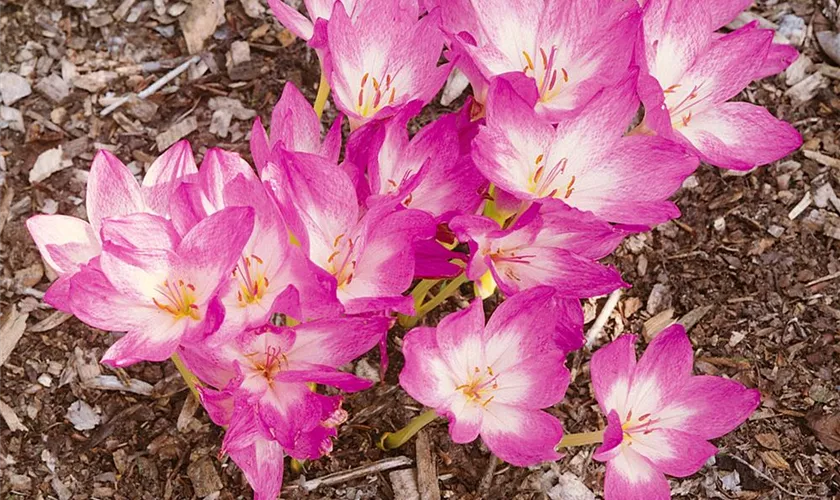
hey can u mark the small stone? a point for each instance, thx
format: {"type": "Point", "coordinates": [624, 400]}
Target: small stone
{"type": "Point", "coordinates": [659, 299]}
{"type": "Point", "coordinates": [53, 88]}
{"type": "Point", "coordinates": [82, 416]}
{"type": "Point", "coordinates": [253, 8]}
{"type": "Point", "coordinates": [793, 28]}
{"type": "Point", "coordinates": [95, 81]}
{"type": "Point", "coordinates": [775, 230]}
{"type": "Point", "coordinates": [80, 4]}
{"type": "Point", "coordinates": [101, 20]}
{"type": "Point", "coordinates": [690, 182]}
{"type": "Point", "coordinates": [177, 9]}
{"type": "Point", "coordinates": [365, 370]}
{"type": "Point", "coordinates": [48, 163]}
{"type": "Point", "coordinates": [220, 122]}
{"type": "Point", "coordinates": [239, 64]}
{"type": "Point", "coordinates": [58, 115]}
{"type": "Point", "coordinates": [720, 224]}
{"type": "Point", "coordinates": [45, 380]}
{"type": "Point", "coordinates": [204, 477]}
{"type": "Point", "coordinates": [13, 88]}
{"type": "Point", "coordinates": [11, 118]}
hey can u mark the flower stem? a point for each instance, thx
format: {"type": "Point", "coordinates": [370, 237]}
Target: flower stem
{"type": "Point", "coordinates": [581, 439]}
{"type": "Point", "coordinates": [392, 440]}
{"type": "Point", "coordinates": [437, 300]}
{"type": "Point", "coordinates": [188, 376]}
{"type": "Point", "coordinates": [323, 93]}
{"type": "Point", "coordinates": [419, 295]}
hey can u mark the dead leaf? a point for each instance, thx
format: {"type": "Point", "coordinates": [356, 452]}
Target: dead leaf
{"type": "Point", "coordinates": [827, 430]}
{"type": "Point", "coordinates": [11, 332]}
{"type": "Point", "coordinates": [769, 441]}
{"type": "Point", "coordinates": [774, 460]}
{"type": "Point", "coordinates": [11, 418]}
{"type": "Point", "coordinates": [200, 21]}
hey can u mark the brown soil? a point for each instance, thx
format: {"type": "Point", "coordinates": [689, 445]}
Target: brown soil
{"type": "Point", "coordinates": [766, 325]}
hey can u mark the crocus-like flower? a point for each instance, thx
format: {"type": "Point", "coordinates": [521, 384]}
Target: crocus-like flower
{"type": "Point", "coordinates": [369, 253]}
{"type": "Point", "coordinates": [427, 172]}
{"type": "Point", "coordinates": [660, 417]}
{"type": "Point", "coordinates": [298, 24]}
{"type": "Point", "coordinates": [296, 127]}
{"type": "Point", "coordinates": [493, 381]}
{"type": "Point", "coordinates": [67, 243]}
{"type": "Point", "coordinates": [161, 293]}
{"type": "Point", "coordinates": [258, 387]}
{"type": "Point", "coordinates": [550, 244]}
{"type": "Point", "coordinates": [570, 49]}
{"type": "Point", "coordinates": [382, 58]}
{"type": "Point", "coordinates": [690, 73]}
{"type": "Point", "coordinates": [584, 161]}
{"type": "Point", "coordinates": [272, 275]}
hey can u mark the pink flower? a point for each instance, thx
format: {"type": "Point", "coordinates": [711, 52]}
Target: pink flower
{"type": "Point", "coordinates": [164, 291]}
{"type": "Point", "coordinates": [272, 275]}
{"type": "Point", "coordinates": [259, 388]}
{"type": "Point", "coordinates": [660, 417]}
{"type": "Point", "coordinates": [294, 127]}
{"type": "Point", "coordinates": [493, 381]}
{"type": "Point", "coordinates": [67, 243]}
{"type": "Point", "coordinates": [299, 24]}
{"type": "Point", "coordinates": [382, 58]}
{"type": "Point", "coordinates": [570, 49]}
{"type": "Point", "coordinates": [428, 172]}
{"type": "Point", "coordinates": [691, 73]}
{"type": "Point", "coordinates": [550, 244]}
{"type": "Point", "coordinates": [368, 254]}
{"type": "Point", "coordinates": [584, 161]}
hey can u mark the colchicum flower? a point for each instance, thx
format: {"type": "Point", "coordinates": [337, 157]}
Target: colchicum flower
{"type": "Point", "coordinates": [494, 381]}
{"type": "Point", "coordinates": [557, 44]}
{"type": "Point", "coordinates": [690, 73]}
{"type": "Point", "coordinates": [163, 294]}
{"type": "Point", "coordinates": [585, 161]}
{"type": "Point", "coordinates": [368, 253]}
{"type": "Point", "coordinates": [383, 58]}
{"type": "Point", "coordinates": [550, 244]}
{"type": "Point", "coordinates": [67, 243]}
{"type": "Point", "coordinates": [259, 388]}
{"type": "Point", "coordinates": [660, 417]}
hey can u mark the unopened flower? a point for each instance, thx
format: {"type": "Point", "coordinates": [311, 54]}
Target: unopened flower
{"type": "Point", "coordinates": [660, 417]}
{"type": "Point", "coordinates": [163, 294]}
{"type": "Point", "coordinates": [570, 49]}
{"type": "Point", "coordinates": [551, 244]}
{"type": "Point", "coordinates": [66, 243]}
{"type": "Point", "coordinates": [493, 381]}
{"type": "Point", "coordinates": [584, 161]}
{"type": "Point", "coordinates": [690, 74]}
{"type": "Point", "coordinates": [382, 58]}
{"type": "Point", "coordinates": [294, 127]}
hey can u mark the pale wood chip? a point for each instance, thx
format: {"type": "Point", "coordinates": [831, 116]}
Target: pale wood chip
{"type": "Point", "coordinates": [11, 331]}
{"type": "Point", "coordinates": [11, 418]}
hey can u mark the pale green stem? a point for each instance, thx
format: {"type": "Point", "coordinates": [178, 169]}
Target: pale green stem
{"type": "Point", "coordinates": [437, 300]}
{"type": "Point", "coordinates": [581, 439]}
{"type": "Point", "coordinates": [391, 440]}
{"type": "Point", "coordinates": [188, 376]}
{"type": "Point", "coordinates": [323, 93]}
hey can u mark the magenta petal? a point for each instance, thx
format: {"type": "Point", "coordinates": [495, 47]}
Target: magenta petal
{"type": "Point", "coordinates": [663, 370]}
{"type": "Point", "coordinates": [140, 230]}
{"type": "Point", "coordinates": [165, 174]}
{"type": "Point", "coordinates": [336, 342]}
{"type": "Point", "coordinates": [111, 190]}
{"type": "Point", "coordinates": [613, 437]}
{"type": "Point", "coordinates": [521, 437]}
{"type": "Point", "coordinates": [424, 367]}
{"type": "Point", "coordinates": [293, 20]}
{"type": "Point", "coordinates": [345, 381]}
{"type": "Point", "coordinates": [140, 346]}
{"type": "Point", "coordinates": [259, 456]}
{"type": "Point", "coordinates": [673, 452]}
{"type": "Point", "coordinates": [612, 370]}
{"type": "Point", "coordinates": [630, 476]}
{"type": "Point", "coordinates": [711, 406]}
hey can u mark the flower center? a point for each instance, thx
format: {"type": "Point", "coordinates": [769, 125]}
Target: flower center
{"type": "Point", "coordinates": [480, 386]}
{"type": "Point", "coordinates": [341, 263]}
{"type": "Point", "coordinates": [545, 72]}
{"type": "Point", "coordinates": [251, 278]}
{"type": "Point", "coordinates": [375, 95]}
{"type": "Point", "coordinates": [642, 425]}
{"type": "Point", "coordinates": [178, 299]}
{"type": "Point", "coordinates": [269, 364]}
{"type": "Point", "coordinates": [680, 103]}
{"type": "Point", "coordinates": [542, 180]}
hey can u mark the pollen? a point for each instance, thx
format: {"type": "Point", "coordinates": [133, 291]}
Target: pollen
{"type": "Point", "coordinates": [178, 299]}
{"type": "Point", "coordinates": [480, 386]}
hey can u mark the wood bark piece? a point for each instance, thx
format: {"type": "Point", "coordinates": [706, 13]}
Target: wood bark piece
{"type": "Point", "coordinates": [11, 331]}
{"type": "Point", "coordinates": [427, 477]}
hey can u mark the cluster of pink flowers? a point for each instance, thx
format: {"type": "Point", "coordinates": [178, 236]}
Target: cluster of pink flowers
{"type": "Point", "coordinates": [544, 170]}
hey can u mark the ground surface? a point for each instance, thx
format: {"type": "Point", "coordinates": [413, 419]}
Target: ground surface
{"type": "Point", "coordinates": [735, 255]}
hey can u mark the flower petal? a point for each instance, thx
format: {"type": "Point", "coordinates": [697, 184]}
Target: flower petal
{"type": "Point", "coordinates": [165, 174]}
{"type": "Point", "coordinates": [519, 436]}
{"type": "Point", "coordinates": [630, 476]}
{"type": "Point", "coordinates": [336, 342]}
{"type": "Point", "coordinates": [65, 242]}
{"type": "Point", "coordinates": [612, 368]}
{"type": "Point", "coordinates": [111, 190]}
{"type": "Point", "coordinates": [662, 371]}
